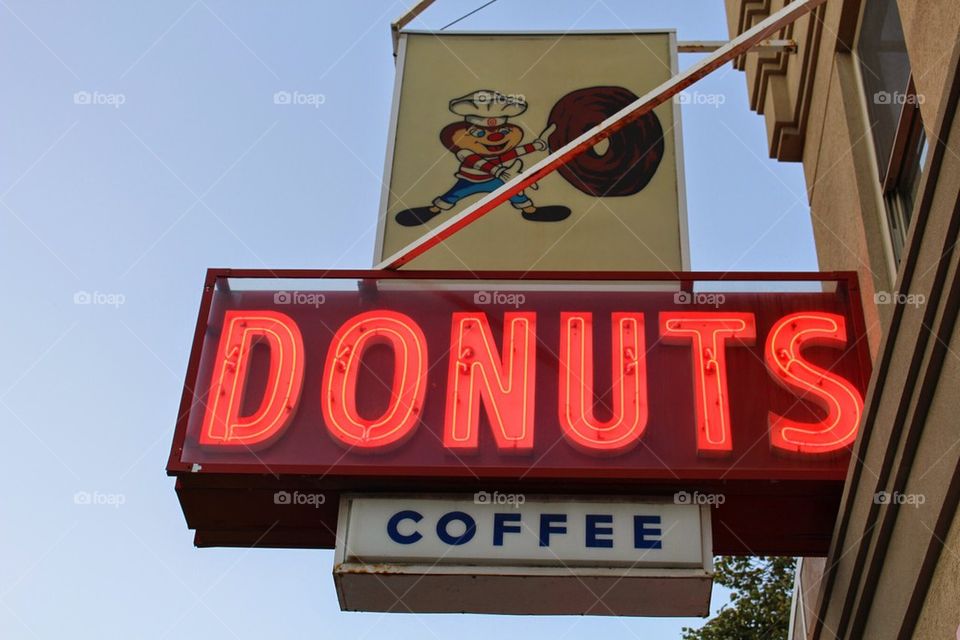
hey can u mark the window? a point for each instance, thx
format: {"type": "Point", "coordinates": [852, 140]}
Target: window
{"type": "Point", "coordinates": [893, 107]}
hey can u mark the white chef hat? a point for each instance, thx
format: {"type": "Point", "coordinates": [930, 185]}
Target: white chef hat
{"type": "Point", "coordinates": [488, 108]}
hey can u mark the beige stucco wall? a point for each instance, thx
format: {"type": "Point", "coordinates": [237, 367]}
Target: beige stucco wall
{"type": "Point", "coordinates": [944, 594]}
{"type": "Point", "coordinates": [810, 585]}
{"type": "Point", "coordinates": [844, 205]}
{"type": "Point", "coordinates": [930, 29]}
{"type": "Point", "coordinates": [848, 219]}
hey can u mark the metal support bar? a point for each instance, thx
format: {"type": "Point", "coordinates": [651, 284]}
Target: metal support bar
{"type": "Point", "coordinates": [842, 278]}
{"type": "Point", "coordinates": [646, 103]}
{"type": "Point", "coordinates": [690, 46]}
{"type": "Point", "coordinates": [405, 19]}
{"type": "Point", "coordinates": [764, 46]}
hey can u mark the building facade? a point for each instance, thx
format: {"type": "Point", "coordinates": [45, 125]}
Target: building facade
{"type": "Point", "coordinates": [867, 103]}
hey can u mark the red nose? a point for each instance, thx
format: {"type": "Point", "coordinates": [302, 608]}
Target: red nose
{"type": "Point", "coordinates": [494, 137]}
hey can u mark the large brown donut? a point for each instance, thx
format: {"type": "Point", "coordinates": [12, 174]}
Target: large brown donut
{"type": "Point", "coordinates": [633, 154]}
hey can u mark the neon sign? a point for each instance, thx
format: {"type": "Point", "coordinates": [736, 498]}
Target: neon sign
{"type": "Point", "coordinates": [576, 385]}
{"type": "Point", "coordinates": [503, 384]}
{"type": "Point", "coordinates": [498, 376]}
{"type": "Point", "coordinates": [837, 396]}
{"type": "Point", "coordinates": [222, 424]}
{"type": "Point", "coordinates": [709, 333]}
{"type": "Point", "coordinates": [340, 386]}
{"type": "Point", "coordinates": [397, 384]}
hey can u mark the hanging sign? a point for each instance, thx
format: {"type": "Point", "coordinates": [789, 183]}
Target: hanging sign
{"type": "Point", "coordinates": [528, 555]}
{"type": "Point", "coordinates": [588, 387]}
{"type": "Point", "coordinates": [473, 110]}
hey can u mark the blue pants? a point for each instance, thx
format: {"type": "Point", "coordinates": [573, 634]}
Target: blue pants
{"type": "Point", "coordinates": [464, 188]}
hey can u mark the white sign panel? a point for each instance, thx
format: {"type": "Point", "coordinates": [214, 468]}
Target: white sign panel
{"type": "Point", "coordinates": [510, 553]}
{"type": "Point", "coordinates": [543, 532]}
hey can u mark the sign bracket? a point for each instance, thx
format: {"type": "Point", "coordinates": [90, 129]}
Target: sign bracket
{"type": "Point", "coordinates": [690, 46]}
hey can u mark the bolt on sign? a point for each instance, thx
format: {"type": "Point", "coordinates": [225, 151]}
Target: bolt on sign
{"type": "Point", "coordinates": [303, 386]}
{"type": "Point", "coordinates": [473, 110]}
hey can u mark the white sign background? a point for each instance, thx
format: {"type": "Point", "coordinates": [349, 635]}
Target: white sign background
{"type": "Point", "coordinates": [367, 541]}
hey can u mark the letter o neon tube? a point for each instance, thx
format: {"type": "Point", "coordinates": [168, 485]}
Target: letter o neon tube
{"type": "Point", "coordinates": [407, 390]}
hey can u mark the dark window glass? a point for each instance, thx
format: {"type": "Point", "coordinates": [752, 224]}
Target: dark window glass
{"type": "Point", "coordinates": [885, 69]}
{"type": "Point", "coordinates": [893, 108]}
{"type": "Point", "coordinates": [902, 188]}
{"type": "Point", "coordinates": [909, 182]}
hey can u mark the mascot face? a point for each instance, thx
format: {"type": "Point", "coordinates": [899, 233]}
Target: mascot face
{"type": "Point", "coordinates": [488, 141]}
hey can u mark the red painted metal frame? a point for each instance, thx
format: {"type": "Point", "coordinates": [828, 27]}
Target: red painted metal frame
{"type": "Point", "coordinates": [567, 276]}
{"type": "Point", "coordinates": [846, 281]}
{"type": "Point", "coordinates": [233, 505]}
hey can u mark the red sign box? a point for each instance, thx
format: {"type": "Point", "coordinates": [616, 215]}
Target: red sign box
{"type": "Point", "coordinates": [485, 382]}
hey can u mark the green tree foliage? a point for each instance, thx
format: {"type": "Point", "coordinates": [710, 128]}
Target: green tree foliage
{"type": "Point", "coordinates": [759, 607]}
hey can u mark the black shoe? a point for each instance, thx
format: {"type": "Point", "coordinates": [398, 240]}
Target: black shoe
{"type": "Point", "coordinates": [552, 213]}
{"type": "Point", "coordinates": [416, 216]}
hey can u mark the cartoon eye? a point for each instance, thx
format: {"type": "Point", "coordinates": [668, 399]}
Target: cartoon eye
{"type": "Point", "coordinates": [505, 131]}
{"type": "Point", "coordinates": [477, 133]}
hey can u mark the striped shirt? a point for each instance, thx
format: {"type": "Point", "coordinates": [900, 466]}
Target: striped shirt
{"type": "Point", "coordinates": [477, 168]}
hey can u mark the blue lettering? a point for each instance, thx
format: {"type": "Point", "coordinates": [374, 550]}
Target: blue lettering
{"type": "Point", "coordinates": [465, 537]}
{"type": "Point", "coordinates": [394, 523]}
{"type": "Point", "coordinates": [547, 521]}
{"type": "Point", "coordinates": [593, 531]}
{"type": "Point", "coordinates": [641, 531]}
{"type": "Point", "coordinates": [501, 527]}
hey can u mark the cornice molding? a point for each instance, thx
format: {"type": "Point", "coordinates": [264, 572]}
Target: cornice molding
{"type": "Point", "coordinates": [786, 108]}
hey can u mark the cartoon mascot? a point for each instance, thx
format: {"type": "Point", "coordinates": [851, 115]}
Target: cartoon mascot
{"type": "Point", "coordinates": [488, 147]}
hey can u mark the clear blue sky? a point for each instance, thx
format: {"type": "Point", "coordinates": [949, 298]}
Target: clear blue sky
{"type": "Point", "coordinates": [198, 167]}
